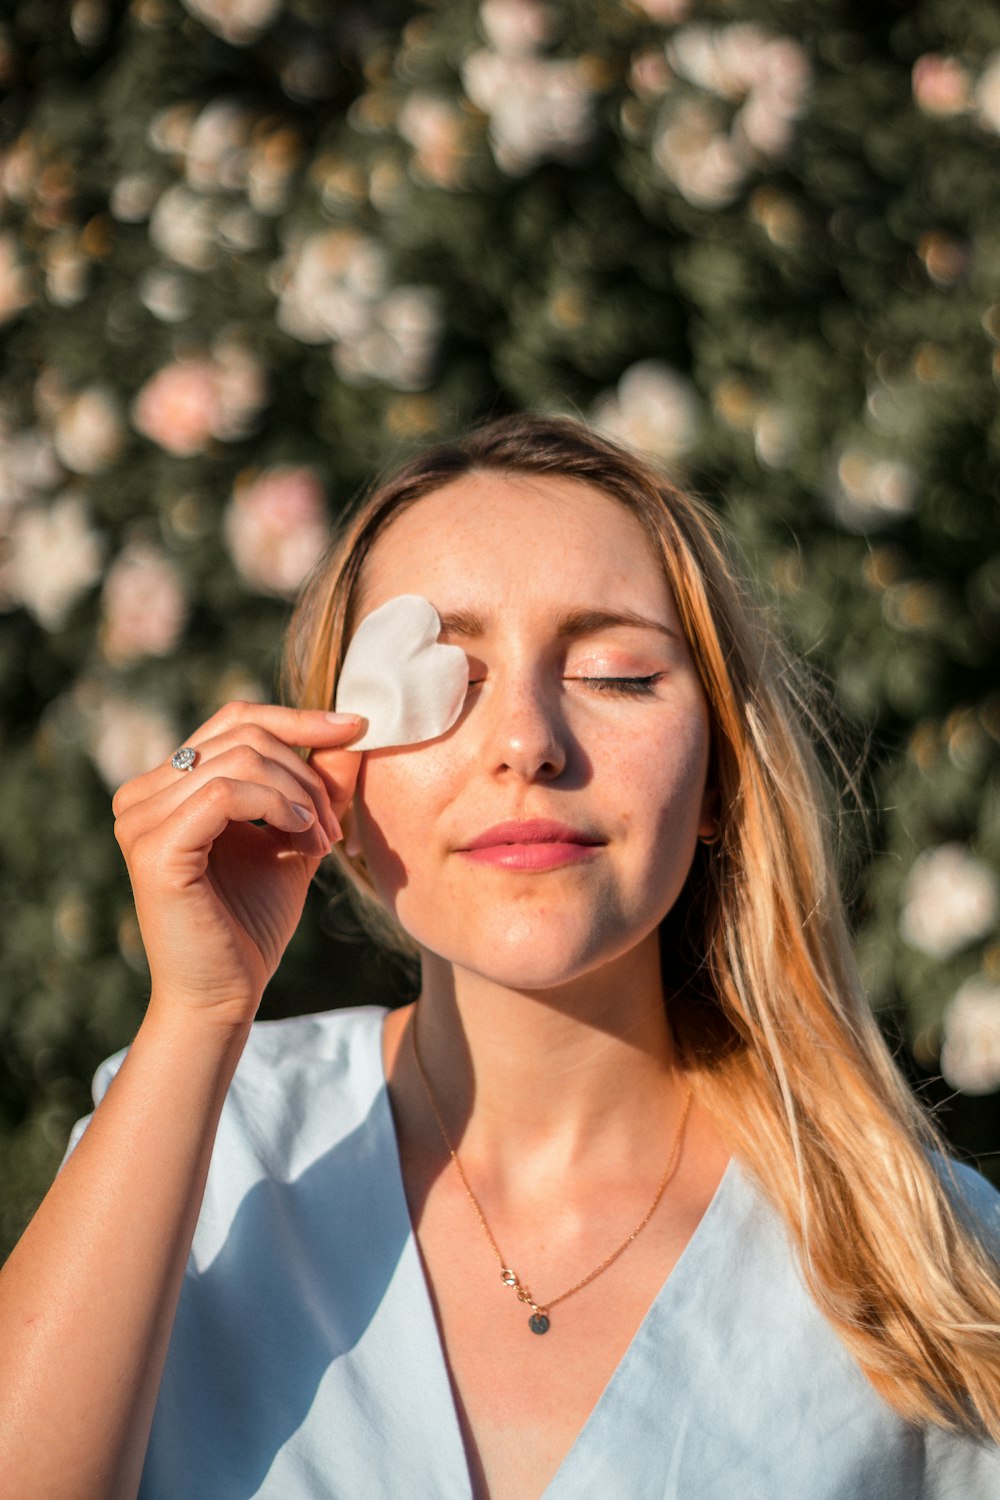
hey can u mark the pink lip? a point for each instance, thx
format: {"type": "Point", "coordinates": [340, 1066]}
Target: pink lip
{"type": "Point", "coordinates": [535, 844]}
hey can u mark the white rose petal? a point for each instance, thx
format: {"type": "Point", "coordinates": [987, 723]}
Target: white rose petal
{"type": "Point", "coordinates": [407, 684]}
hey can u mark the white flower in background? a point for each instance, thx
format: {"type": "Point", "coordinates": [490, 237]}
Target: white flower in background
{"type": "Point", "coordinates": [760, 84]}
{"type": "Point", "coordinates": [144, 604]}
{"type": "Point", "coordinates": [166, 294]}
{"type": "Point", "coordinates": [132, 197]}
{"type": "Point", "coordinates": [515, 27]}
{"type": "Point", "coordinates": [276, 527]}
{"type": "Point", "coordinates": [654, 408]}
{"type": "Point", "coordinates": [335, 287]}
{"type": "Point", "coordinates": [970, 1048]}
{"type": "Point", "coordinates": [15, 285]}
{"type": "Point", "coordinates": [67, 269]}
{"type": "Point", "coordinates": [28, 470]}
{"type": "Point", "coordinates": [435, 130]}
{"type": "Point", "coordinates": [216, 147]}
{"type": "Point", "coordinates": [538, 107]}
{"type": "Point", "coordinates": [950, 899]}
{"type": "Point", "coordinates": [868, 490]}
{"type": "Point", "coordinates": [183, 227]}
{"type": "Point", "coordinates": [237, 21]}
{"type": "Point", "coordinates": [126, 738]}
{"type": "Point", "coordinates": [19, 169]}
{"type": "Point", "coordinates": [667, 12]}
{"type": "Point", "coordinates": [988, 94]}
{"type": "Point", "coordinates": [941, 85]}
{"type": "Point", "coordinates": [170, 129]}
{"type": "Point", "coordinates": [89, 431]}
{"type": "Point", "coordinates": [53, 556]}
{"type": "Point", "coordinates": [275, 152]}
{"type": "Point", "coordinates": [698, 156]}
{"type": "Point", "coordinates": [774, 436]}
{"type": "Point", "coordinates": [195, 399]}
{"type": "Point", "coordinates": [398, 349]}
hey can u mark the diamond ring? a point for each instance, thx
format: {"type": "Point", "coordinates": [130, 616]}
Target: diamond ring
{"type": "Point", "coordinates": [184, 758]}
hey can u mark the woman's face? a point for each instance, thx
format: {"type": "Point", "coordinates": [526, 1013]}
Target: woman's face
{"type": "Point", "coordinates": [584, 711]}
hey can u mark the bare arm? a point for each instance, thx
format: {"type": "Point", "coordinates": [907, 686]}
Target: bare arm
{"type": "Point", "coordinates": [88, 1297]}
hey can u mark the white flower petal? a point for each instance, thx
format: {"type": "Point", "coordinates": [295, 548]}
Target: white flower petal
{"type": "Point", "coordinates": [409, 687]}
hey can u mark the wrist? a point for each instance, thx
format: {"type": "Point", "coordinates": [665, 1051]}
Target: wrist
{"type": "Point", "coordinates": [222, 1027]}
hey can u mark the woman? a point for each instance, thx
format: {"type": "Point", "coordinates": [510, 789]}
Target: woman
{"type": "Point", "coordinates": [633, 1201]}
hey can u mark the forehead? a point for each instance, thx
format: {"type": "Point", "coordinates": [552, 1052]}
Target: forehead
{"type": "Point", "coordinates": [504, 539]}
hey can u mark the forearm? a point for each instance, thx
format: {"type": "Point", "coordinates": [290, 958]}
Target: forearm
{"type": "Point", "coordinates": [87, 1299]}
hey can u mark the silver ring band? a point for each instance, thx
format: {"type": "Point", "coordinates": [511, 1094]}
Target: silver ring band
{"type": "Point", "coordinates": [184, 758]}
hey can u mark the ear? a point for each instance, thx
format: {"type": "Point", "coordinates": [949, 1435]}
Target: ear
{"type": "Point", "coordinates": [709, 825]}
{"type": "Point", "coordinates": [349, 825]}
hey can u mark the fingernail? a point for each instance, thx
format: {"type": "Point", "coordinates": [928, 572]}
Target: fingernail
{"type": "Point", "coordinates": [305, 813]}
{"type": "Point", "coordinates": [343, 718]}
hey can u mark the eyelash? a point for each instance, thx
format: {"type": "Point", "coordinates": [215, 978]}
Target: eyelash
{"type": "Point", "coordinates": [635, 687]}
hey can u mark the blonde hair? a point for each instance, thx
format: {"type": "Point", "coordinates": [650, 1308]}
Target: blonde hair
{"type": "Point", "coordinates": [765, 1003]}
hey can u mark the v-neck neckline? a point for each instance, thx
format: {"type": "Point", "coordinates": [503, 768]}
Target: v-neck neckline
{"type": "Point", "coordinates": [657, 1311]}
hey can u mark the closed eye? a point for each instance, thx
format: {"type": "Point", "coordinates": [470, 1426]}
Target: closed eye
{"type": "Point", "coordinates": [637, 686]}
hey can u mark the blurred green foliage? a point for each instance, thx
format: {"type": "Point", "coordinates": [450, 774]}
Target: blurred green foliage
{"type": "Point", "coordinates": [251, 250]}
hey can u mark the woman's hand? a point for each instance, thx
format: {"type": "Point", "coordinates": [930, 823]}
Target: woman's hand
{"type": "Point", "coordinates": [217, 896]}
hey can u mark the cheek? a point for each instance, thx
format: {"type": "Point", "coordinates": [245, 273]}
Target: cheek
{"type": "Point", "coordinates": [396, 807]}
{"type": "Point", "coordinates": [660, 780]}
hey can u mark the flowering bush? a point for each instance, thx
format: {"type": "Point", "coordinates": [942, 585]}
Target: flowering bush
{"type": "Point", "coordinates": [252, 249]}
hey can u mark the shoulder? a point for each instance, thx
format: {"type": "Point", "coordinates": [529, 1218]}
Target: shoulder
{"type": "Point", "coordinates": [337, 1051]}
{"type": "Point", "coordinates": [975, 1200]}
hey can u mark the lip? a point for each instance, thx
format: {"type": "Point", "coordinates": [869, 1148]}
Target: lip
{"type": "Point", "coordinates": [531, 831]}
{"type": "Point", "coordinates": [532, 844]}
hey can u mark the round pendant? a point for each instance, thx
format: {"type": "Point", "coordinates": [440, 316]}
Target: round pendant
{"type": "Point", "coordinates": [538, 1323]}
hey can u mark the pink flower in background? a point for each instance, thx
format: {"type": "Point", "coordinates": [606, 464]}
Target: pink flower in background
{"type": "Point", "coordinates": [144, 605]}
{"type": "Point", "coordinates": [195, 399]}
{"type": "Point", "coordinates": [276, 527]}
{"type": "Point", "coordinates": [941, 85]}
{"type": "Point", "coordinates": [179, 407]}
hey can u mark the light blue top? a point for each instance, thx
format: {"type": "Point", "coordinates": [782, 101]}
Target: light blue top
{"type": "Point", "coordinates": [305, 1362]}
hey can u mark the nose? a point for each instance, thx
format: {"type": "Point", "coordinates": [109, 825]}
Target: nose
{"type": "Point", "coordinates": [524, 733]}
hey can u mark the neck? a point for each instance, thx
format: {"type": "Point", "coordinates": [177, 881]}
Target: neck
{"type": "Point", "coordinates": [557, 1076]}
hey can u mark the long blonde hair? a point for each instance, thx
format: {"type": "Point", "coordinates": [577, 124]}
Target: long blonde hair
{"type": "Point", "coordinates": [765, 1003]}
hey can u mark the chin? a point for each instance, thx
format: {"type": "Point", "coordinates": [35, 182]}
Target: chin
{"type": "Point", "coordinates": [527, 951]}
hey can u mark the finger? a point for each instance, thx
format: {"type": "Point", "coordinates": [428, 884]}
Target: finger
{"type": "Point", "coordinates": [338, 770]}
{"type": "Point", "coordinates": [190, 832]}
{"type": "Point", "coordinates": [238, 764]}
{"type": "Point", "coordinates": [294, 728]}
{"type": "Point", "coordinates": [300, 727]}
{"type": "Point", "coordinates": [257, 742]}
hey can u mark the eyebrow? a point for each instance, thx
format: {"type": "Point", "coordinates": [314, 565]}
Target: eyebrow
{"type": "Point", "coordinates": [467, 624]}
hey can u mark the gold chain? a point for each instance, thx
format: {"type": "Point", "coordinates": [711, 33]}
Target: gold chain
{"type": "Point", "coordinates": [539, 1322]}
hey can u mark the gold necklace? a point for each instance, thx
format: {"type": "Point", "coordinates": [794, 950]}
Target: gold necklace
{"type": "Point", "coordinates": [540, 1322]}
